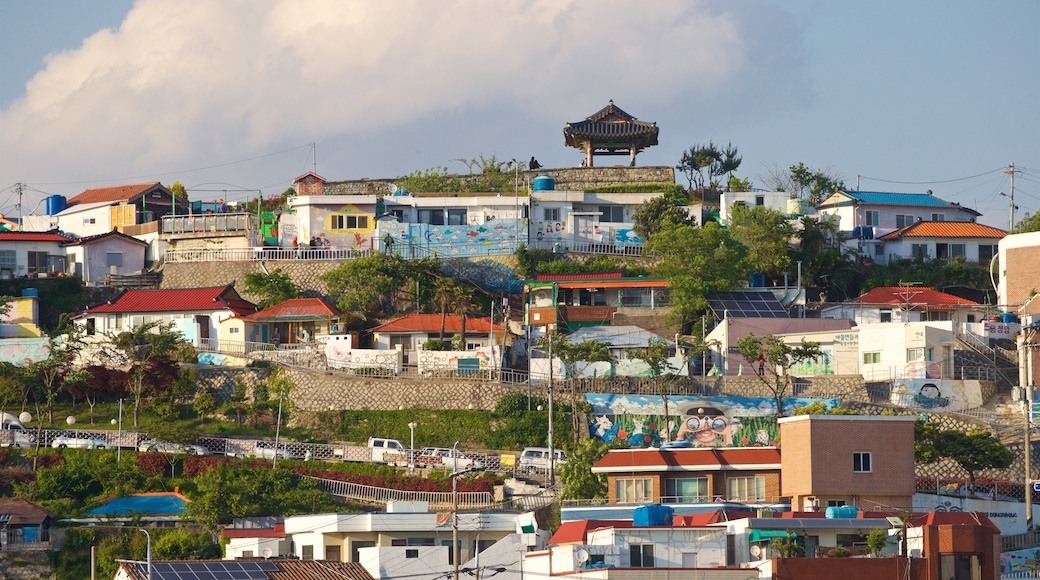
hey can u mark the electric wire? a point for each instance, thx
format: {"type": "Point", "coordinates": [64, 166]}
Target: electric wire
{"type": "Point", "coordinates": [935, 181]}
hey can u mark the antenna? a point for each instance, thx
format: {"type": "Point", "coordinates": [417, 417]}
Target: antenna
{"type": "Point", "coordinates": [314, 158]}
{"type": "Point", "coordinates": [756, 550]}
{"type": "Point", "coordinates": [583, 556]}
{"type": "Point", "coordinates": [267, 553]}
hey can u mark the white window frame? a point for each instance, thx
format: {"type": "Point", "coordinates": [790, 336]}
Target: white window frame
{"type": "Point", "coordinates": [739, 488]}
{"type": "Point", "coordinates": [871, 217]}
{"type": "Point", "coordinates": [634, 490]}
{"type": "Point", "coordinates": [551, 214]}
{"type": "Point", "coordinates": [862, 462]}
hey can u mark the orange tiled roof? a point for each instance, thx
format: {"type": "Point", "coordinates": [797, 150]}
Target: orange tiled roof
{"type": "Point", "coordinates": [918, 298]}
{"type": "Point", "coordinates": [295, 309]}
{"type": "Point", "coordinates": [114, 193]}
{"type": "Point", "coordinates": [945, 230]}
{"type": "Point", "coordinates": [577, 532]}
{"type": "Point", "coordinates": [432, 323]}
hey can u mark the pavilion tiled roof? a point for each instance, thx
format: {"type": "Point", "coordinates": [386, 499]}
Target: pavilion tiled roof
{"type": "Point", "coordinates": [411, 323]}
{"type": "Point", "coordinates": [611, 124]}
{"type": "Point", "coordinates": [931, 229]}
{"type": "Point", "coordinates": [113, 193]}
{"type": "Point", "coordinates": [295, 309]}
{"type": "Point", "coordinates": [918, 298]}
{"type": "Point", "coordinates": [696, 459]}
{"type": "Point", "coordinates": [32, 237]}
{"type": "Point", "coordinates": [180, 300]}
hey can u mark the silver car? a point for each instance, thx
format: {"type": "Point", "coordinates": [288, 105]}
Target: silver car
{"type": "Point", "coordinates": [78, 440]}
{"type": "Point", "coordinates": [155, 446]}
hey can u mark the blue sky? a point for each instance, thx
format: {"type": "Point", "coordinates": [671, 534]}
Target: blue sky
{"type": "Point", "coordinates": [228, 95]}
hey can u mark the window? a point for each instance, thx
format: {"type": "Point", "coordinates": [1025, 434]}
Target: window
{"type": "Point", "coordinates": [8, 261]}
{"type": "Point", "coordinates": [903, 220]}
{"type": "Point", "coordinates": [247, 553]}
{"type": "Point", "coordinates": [886, 316]}
{"type": "Point", "coordinates": [337, 222]}
{"type": "Point", "coordinates": [872, 217]}
{"type": "Point", "coordinates": [306, 552]}
{"type": "Point", "coordinates": [873, 358]}
{"type": "Point", "coordinates": [686, 490]}
{"type": "Point", "coordinates": [88, 221]}
{"type": "Point", "coordinates": [634, 490]}
{"type": "Point", "coordinates": [835, 502]}
{"type": "Point", "coordinates": [114, 259]}
{"type": "Point", "coordinates": [918, 354]}
{"type": "Point", "coordinates": [919, 250]}
{"type": "Point", "coordinates": [457, 217]}
{"type": "Point", "coordinates": [747, 488]}
{"type": "Point", "coordinates": [938, 217]}
{"type": "Point", "coordinates": [434, 217]}
{"type": "Point", "coordinates": [879, 249]}
{"type": "Point", "coordinates": [956, 250]}
{"type": "Point", "coordinates": [861, 461]}
{"type": "Point", "coordinates": [986, 252]}
{"type": "Point", "coordinates": [641, 556]}
{"type": "Point", "coordinates": [234, 330]}
{"type": "Point", "coordinates": [37, 262]}
{"type": "Point", "coordinates": [760, 200]}
{"type": "Point", "coordinates": [411, 553]}
{"type": "Point", "coordinates": [349, 222]}
{"type": "Point", "coordinates": [611, 213]}
{"type": "Point", "coordinates": [552, 214]}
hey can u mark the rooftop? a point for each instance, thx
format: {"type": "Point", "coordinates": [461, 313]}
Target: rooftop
{"type": "Point", "coordinates": [930, 229]}
{"type": "Point", "coordinates": [181, 300]}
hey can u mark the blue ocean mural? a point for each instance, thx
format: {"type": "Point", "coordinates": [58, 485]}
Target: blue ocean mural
{"type": "Point", "coordinates": [639, 420]}
{"type": "Point", "coordinates": [490, 238]}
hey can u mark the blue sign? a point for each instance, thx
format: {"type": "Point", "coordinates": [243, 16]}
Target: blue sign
{"type": "Point", "coordinates": [1036, 486]}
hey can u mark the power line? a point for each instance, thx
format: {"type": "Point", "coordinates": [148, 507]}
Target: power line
{"type": "Point", "coordinates": [932, 182]}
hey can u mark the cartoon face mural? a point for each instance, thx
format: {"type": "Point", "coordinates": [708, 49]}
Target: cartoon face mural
{"type": "Point", "coordinates": [930, 397]}
{"type": "Point", "coordinates": [706, 425]}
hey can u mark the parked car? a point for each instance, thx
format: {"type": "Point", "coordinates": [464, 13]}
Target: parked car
{"type": "Point", "coordinates": [442, 457]}
{"type": "Point", "coordinates": [154, 446]}
{"type": "Point", "coordinates": [266, 450]}
{"type": "Point", "coordinates": [537, 458]}
{"type": "Point", "coordinates": [78, 440]}
{"type": "Point", "coordinates": [388, 451]}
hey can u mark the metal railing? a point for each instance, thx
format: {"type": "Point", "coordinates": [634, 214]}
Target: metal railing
{"type": "Point", "coordinates": [571, 247]}
{"type": "Point", "coordinates": [257, 254]}
{"type": "Point", "coordinates": [1010, 543]}
{"type": "Point", "coordinates": [232, 346]}
{"type": "Point", "coordinates": [371, 494]}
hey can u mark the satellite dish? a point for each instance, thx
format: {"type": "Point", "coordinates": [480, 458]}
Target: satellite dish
{"type": "Point", "coordinates": [756, 551]}
{"type": "Point", "coordinates": [393, 188]}
{"type": "Point", "coordinates": [583, 556]}
{"type": "Point", "coordinates": [267, 552]}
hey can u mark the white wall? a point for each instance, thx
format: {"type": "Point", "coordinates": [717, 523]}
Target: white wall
{"type": "Point", "coordinates": [892, 340]}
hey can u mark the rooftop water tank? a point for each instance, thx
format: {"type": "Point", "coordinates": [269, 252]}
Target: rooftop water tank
{"type": "Point", "coordinates": [842, 512]}
{"type": "Point", "coordinates": [653, 514]}
{"type": "Point", "coordinates": [543, 183]}
{"type": "Point", "coordinates": [26, 292]}
{"type": "Point", "coordinates": [758, 280]}
{"type": "Point", "coordinates": [1009, 317]}
{"type": "Point", "coordinates": [54, 204]}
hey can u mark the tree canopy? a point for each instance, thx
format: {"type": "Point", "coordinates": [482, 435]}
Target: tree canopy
{"type": "Point", "coordinates": [1029, 223]}
{"type": "Point", "coordinates": [767, 234]}
{"type": "Point", "coordinates": [974, 451]}
{"type": "Point", "coordinates": [273, 288]}
{"type": "Point", "coordinates": [576, 475]}
{"type": "Point", "coordinates": [375, 285]}
{"type": "Point", "coordinates": [654, 215]}
{"type": "Point", "coordinates": [703, 164]}
{"type": "Point", "coordinates": [775, 359]}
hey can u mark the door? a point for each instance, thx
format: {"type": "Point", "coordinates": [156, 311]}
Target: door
{"type": "Point", "coordinates": [333, 553]}
{"type": "Point", "coordinates": [584, 229]}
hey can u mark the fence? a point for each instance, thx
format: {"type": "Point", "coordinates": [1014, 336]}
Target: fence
{"type": "Point", "coordinates": [371, 494]}
{"type": "Point", "coordinates": [257, 254]}
{"type": "Point", "coordinates": [561, 246]}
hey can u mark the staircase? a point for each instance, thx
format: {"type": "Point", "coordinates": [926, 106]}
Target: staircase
{"type": "Point", "coordinates": [976, 353]}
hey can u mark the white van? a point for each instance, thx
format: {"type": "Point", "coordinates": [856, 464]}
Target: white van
{"type": "Point", "coordinates": [13, 433]}
{"type": "Point", "coordinates": [537, 458]}
{"type": "Point", "coordinates": [388, 451]}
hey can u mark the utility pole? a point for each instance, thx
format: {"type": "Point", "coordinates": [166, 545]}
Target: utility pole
{"type": "Point", "coordinates": [1012, 171]}
{"type": "Point", "coordinates": [552, 451]}
{"type": "Point", "coordinates": [21, 225]}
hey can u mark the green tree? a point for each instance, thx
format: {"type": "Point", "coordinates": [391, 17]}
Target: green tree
{"type": "Point", "coordinates": [273, 288]}
{"type": "Point", "coordinates": [52, 375]}
{"type": "Point", "coordinates": [150, 349]}
{"type": "Point", "coordinates": [697, 261]}
{"type": "Point", "coordinates": [655, 214]}
{"type": "Point", "coordinates": [180, 544]}
{"type": "Point", "coordinates": [877, 539]}
{"type": "Point", "coordinates": [178, 190]}
{"type": "Point", "coordinates": [98, 384]}
{"type": "Point", "coordinates": [579, 482]}
{"type": "Point", "coordinates": [462, 304]}
{"type": "Point", "coordinates": [576, 356]}
{"type": "Point", "coordinates": [444, 291]}
{"type": "Point", "coordinates": [775, 359]}
{"type": "Point", "coordinates": [205, 402]}
{"type": "Point", "coordinates": [1029, 223]}
{"type": "Point", "coordinates": [767, 234]}
{"type": "Point", "coordinates": [368, 285]}
{"type": "Point", "coordinates": [655, 355]}
{"type": "Point", "coordinates": [702, 164]}
{"type": "Point", "coordinates": [974, 451]}
{"type": "Point", "coordinates": [812, 185]}
{"type": "Point", "coordinates": [787, 547]}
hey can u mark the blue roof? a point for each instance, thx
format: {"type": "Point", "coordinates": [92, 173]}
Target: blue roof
{"type": "Point", "coordinates": [165, 504]}
{"type": "Point", "coordinates": [889, 198]}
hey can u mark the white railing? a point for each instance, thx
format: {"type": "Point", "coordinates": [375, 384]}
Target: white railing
{"type": "Point", "coordinates": [568, 246]}
{"type": "Point", "coordinates": [232, 346]}
{"type": "Point", "coordinates": [257, 254]}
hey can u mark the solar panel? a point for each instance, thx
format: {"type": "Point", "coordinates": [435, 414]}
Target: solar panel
{"type": "Point", "coordinates": [743, 304]}
{"type": "Point", "coordinates": [222, 570]}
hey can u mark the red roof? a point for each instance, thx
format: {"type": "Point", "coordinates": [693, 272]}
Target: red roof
{"type": "Point", "coordinates": [577, 532]}
{"type": "Point", "coordinates": [410, 323]}
{"type": "Point", "coordinates": [918, 298]}
{"type": "Point", "coordinates": [114, 193]}
{"type": "Point", "coordinates": [700, 459]}
{"type": "Point", "coordinates": [295, 309]}
{"type": "Point", "coordinates": [185, 300]}
{"type": "Point", "coordinates": [945, 230]}
{"type": "Point", "coordinates": [278, 531]}
{"type": "Point", "coordinates": [33, 237]}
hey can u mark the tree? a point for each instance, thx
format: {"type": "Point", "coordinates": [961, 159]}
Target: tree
{"type": "Point", "coordinates": [1029, 223]}
{"type": "Point", "coordinates": [655, 355]}
{"type": "Point", "coordinates": [877, 539]}
{"type": "Point", "coordinates": [52, 375]}
{"type": "Point", "coordinates": [445, 290]}
{"type": "Point", "coordinates": [368, 285]}
{"type": "Point", "coordinates": [974, 451]}
{"type": "Point", "coordinates": [697, 261]}
{"type": "Point", "coordinates": [703, 163]}
{"type": "Point", "coordinates": [178, 190]}
{"type": "Point", "coordinates": [767, 234]}
{"type": "Point", "coordinates": [812, 185]}
{"type": "Point", "coordinates": [273, 288]}
{"type": "Point", "coordinates": [98, 384]}
{"type": "Point", "coordinates": [787, 547]}
{"type": "Point", "coordinates": [149, 349]}
{"type": "Point", "coordinates": [462, 304]}
{"type": "Point", "coordinates": [775, 359]}
{"type": "Point", "coordinates": [655, 214]}
{"type": "Point", "coordinates": [579, 482]}
{"type": "Point", "coordinates": [179, 544]}
{"type": "Point", "coordinates": [573, 354]}
{"type": "Point", "coordinates": [11, 391]}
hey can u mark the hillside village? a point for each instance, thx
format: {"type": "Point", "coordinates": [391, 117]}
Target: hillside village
{"type": "Point", "coordinates": [576, 371]}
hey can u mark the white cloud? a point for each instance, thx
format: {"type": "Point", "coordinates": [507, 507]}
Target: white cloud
{"type": "Point", "coordinates": [182, 82]}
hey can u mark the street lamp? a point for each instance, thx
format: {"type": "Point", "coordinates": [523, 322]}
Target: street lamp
{"type": "Point", "coordinates": [1025, 379]}
{"type": "Point", "coordinates": [149, 552]}
{"type": "Point", "coordinates": [411, 449]}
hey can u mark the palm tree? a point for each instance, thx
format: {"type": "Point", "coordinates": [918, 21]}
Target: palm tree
{"type": "Point", "coordinates": [462, 304]}
{"type": "Point", "coordinates": [444, 289]}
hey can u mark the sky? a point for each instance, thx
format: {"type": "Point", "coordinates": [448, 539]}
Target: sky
{"type": "Point", "coordinates": [235, 97]}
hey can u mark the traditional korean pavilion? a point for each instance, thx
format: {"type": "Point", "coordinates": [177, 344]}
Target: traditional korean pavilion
{"type": "Point", "coordinates": [610, 131]}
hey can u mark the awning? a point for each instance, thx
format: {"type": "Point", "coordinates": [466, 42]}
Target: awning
{"type": "Point", "coordinates": [758, 535]}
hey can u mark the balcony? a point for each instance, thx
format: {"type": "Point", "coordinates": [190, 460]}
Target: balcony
{"type": "Point", "coordinates": [183, 227]}
{"type": "Point", "coordinates": [601, 314]}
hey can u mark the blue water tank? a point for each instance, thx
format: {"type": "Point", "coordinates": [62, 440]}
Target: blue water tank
{"type": "Point", "coordinates": [758, 280]}
{"type": "Point", "coordinates": [55, 204]}
{"type": "Point", "coordinates": [653, 514]}
{"type": "Point", "coordinates": [26, 292]}
{"type": "Point", "coordinates": [543, 183]}
{"type": "Point", "coordinates": [1009, 317]}
{"type": "Point", "coordinates": [842, 512]}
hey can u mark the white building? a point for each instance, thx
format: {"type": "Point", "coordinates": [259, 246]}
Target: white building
{"type": "Point", "coordinates": [578, 220]}
{"type": "Point", "coordinates": [780, 201]}
{"type": "Point", "coordinates": [973, 242]}
{"type": "Point", "coordinates": [906, 304]}
{"type": "Point", "coordinates": [31, 254]}
{"type": "Point", "coordinates": [913, 350]}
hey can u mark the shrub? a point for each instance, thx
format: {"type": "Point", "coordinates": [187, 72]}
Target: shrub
{"type": "Point", "coordinates": [197, 465]}
{"type": "Point", "coordinates": [152, 463]}
{"type": "Point", "coordinates": [838, 552]}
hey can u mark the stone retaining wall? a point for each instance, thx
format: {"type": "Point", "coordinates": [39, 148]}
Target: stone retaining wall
{"type": "Point", "coordinates": [304, 273]}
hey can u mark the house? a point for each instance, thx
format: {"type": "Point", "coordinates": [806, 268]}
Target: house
{"type": "Point", "coordinates": [728, 332]}
{"type": "Point", "coordinates": [1019, 259]}
{"type": "Point", "coordinates": [22, 522]}
{"type": "Point", "coordinates": [452, 225]}
{"type": "Point", "coordinates": [685, 476]}
{"type": "Point", "coordinates": [973, 242]}
{"type": "Point", "coordinates": [95, 258]}
{"type": "Point", "coordinates": [411, 331]}
{"type": "Point", "coordinates": [869, 461]}
{"type": "Point", "coordinates": [285, 323]}
{"type": "Point", "coordinates": [569, 302]}
{"type": "Point", "coordinates": [32, 254]}
{"type": "Point", "coordinates": [256, 537]}
{"type": "Point", "coordinates": [621, 341]}
{"type": "Point", "coordinates": [22, 317]}
{"type": "Point", "coordinates": [101, 210]}
{"type": "Point", "coordinates": [906, 303]}
{"type": "Point", "coordinates": [346, 221]}
{"type": "Point", "coordinates": [195, 312]}
{"type": "Point", "coordinates": [780, 201]}
{"type": "Point", "coordinates": [585, 222]}
{"type": "Point", "coordinates": [253, 569]}
{"type": "Point", "coordinates": [865, 216]}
